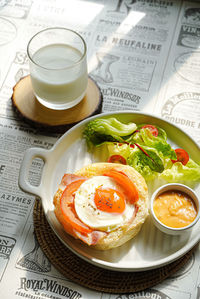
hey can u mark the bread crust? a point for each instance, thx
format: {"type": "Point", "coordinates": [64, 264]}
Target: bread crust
{"type": "Point", "coordinates": [129, 230]}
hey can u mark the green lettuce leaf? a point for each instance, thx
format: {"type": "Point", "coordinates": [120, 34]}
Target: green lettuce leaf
{"type": "Point", "coordinates": [179, 172]}
{"type": "Point", "coordinates": [101, 130]}
{"type": "Point", "coordinates": [144, 137]}
{"type": "Point", "coordinates": [158, 167]}
{"type": "Point", "coordinates": [147, 164]}
{"type": "Point", "coordinates": [150, 155]}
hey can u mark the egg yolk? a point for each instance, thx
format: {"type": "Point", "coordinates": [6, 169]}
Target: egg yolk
{"type": "Point", "coordinates": [109, 200]}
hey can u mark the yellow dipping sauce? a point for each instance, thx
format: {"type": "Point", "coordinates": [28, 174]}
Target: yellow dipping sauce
{"type": "Point", "coordinates": [175, 209]}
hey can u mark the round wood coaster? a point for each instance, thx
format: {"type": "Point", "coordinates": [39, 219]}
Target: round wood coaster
{"type": "Point", "coordinates": [29, 108]}
{"type": "Point", "coordinates": [91, 276]}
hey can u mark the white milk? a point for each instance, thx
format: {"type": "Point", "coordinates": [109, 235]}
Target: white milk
{"type": "Point", "coordinates": [59, 76]}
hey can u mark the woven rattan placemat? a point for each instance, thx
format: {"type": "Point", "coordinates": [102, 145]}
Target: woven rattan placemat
{"type": "Point", "coordinates": [89, 275]}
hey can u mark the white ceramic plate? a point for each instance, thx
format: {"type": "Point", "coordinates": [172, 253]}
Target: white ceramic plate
{"type": "Point", "coordinates": [151, 248]}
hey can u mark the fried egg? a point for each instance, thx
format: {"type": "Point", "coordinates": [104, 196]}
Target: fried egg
{"type": "Point", "coordinates": [101, 204]}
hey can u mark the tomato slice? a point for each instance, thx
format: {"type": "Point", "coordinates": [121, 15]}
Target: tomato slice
{"type": "Point", "coordinates": [123, 180]}
{"type": "Point", "coordinates": [117, 159]}
{"type": "Point", "coordinates": [68, 209]}
{"type": "Point", "coordinates": [153, 129]}
{"type": "Point", "coordinates": [182, 156]}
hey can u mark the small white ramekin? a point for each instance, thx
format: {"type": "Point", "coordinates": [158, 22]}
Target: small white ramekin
{"type": "Point", "coordinates": [177, 187]}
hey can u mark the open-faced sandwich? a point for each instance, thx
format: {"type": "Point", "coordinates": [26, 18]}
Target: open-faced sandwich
{"type": "Point", "coordinates": [103, 204]}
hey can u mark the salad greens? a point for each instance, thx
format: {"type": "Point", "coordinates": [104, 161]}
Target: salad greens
{"type": "Point", "coordinates": [100, 130]}
{"type": "Point", "coordinates": [144, 137]}
{"type": "Point", "coordinates": [143, 147]}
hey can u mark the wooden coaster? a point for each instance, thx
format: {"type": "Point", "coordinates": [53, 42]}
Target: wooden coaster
{"type": "Point", "coordinates": [91, 276]}
{"type": "Point", "coordinates": [30, 110]}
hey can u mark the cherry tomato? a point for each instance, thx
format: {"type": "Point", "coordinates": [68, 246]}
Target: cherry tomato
{"type": "Point", "coordinates": [182, 156]}
{"type": "Point", "coordinates": [117, 159]}
{"type": "Point", "coordinates": [153, 130]}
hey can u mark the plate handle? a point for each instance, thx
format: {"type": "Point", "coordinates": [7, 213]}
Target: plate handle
{"type": "Point", "coordinates": [29, 156]}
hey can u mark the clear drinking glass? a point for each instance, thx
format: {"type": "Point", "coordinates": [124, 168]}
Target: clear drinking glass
{"type": "Point", "coordinates": [58, 67]}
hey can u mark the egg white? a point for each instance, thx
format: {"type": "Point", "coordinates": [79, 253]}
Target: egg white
{"type": "Point", "coordinates": [88, 212]}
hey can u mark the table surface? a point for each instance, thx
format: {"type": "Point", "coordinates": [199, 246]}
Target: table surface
{"type": "Point", "coordinates": [144, 56]}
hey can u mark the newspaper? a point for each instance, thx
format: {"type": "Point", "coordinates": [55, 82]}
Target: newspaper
{"type": "Point", "coordinates": [144, 55]}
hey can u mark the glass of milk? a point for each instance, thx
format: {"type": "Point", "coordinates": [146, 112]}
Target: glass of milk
{"type": "Point", "coordinates": [58, 67]}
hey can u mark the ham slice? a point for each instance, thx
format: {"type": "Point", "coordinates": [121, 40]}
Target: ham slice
{"type": "Point", "coordinates": [67, 179]}
{"type": "Point", "coordinates": [91, 238]}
